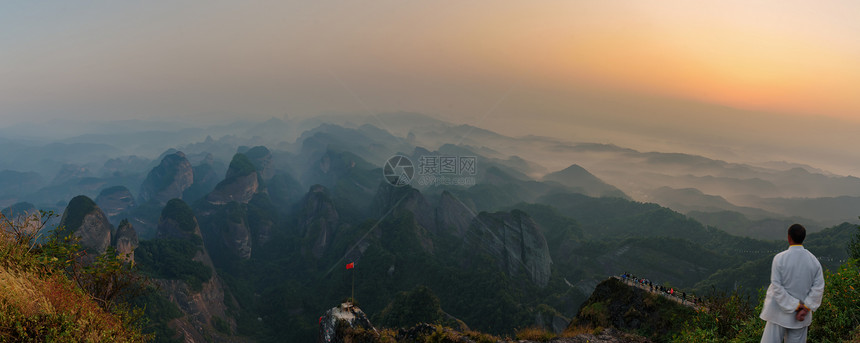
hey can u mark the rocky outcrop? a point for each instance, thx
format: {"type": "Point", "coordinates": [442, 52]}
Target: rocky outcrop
{"type": "Point", "coordinates": [125, 240]}
{"type": "Point", "coordinates": [617, 305]}
{"type": "Point", "coordinates": [115, 200]}
{"type": "Point", "coordinates": [318, 219]}
{"type": "Point", "coordinates": [454, 216]}
{"type": "Point", "coordinates": [390, 198]}
{"type": "Point", "coordinates": [343, 323]}
{"type": "Point", "coordinates": [235, 233]}
{"type": "Point", "coordinates": [261, 158]}
{"type": "Point", "coordinates": [331, 167]}
{"type": "Point", "coordinates": [86, 220]}
{"type": "Point", "coordinates": [199, 309]}
{"type": "Point", "coordinates": [240, 184]}
{"type": "Point", "coordinates": [177, 221]}
{"type": "Point", "coordinates": [198, 306]}
{"type": "Point", "coordinates": [205, 179]}
{"type": "Point", "coordinates": [168, 180]}
{"type": "Point", "coordinates": [262, 215]}
{"type": "Point", "coordinates": [516, 242]}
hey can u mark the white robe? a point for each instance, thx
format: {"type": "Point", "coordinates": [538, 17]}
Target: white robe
{"type": "Point", "coordinates": [795, 276]}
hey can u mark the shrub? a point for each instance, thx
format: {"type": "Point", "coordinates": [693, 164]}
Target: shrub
{"type": "Point", "coordinates": [838, 318]}
{"type": "Point", "coordinates": [43, 299]}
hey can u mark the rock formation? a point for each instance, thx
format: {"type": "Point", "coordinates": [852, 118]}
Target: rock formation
{"type": "Point", "coordinates": [617, 305]}
{"type": "Point", "coordinates": [391, 198]}
{"type": "Point", "coordinates": [115, 200]}
{"type": "Point", "coordinates": [318, 219]}
{"type": "Point", "coordinates": [205, 179]}
{"type": "Point", "coordinates": [198, 306]}
{"type": "Point", "coordinates": [453, 215]}
{"type": "Point", "coordinates": [235, 233]}
{"type": "Point", "coordinates": [168, 180]}
{"type": "Point", "coordinates": [177, 221]}
{"type": "Point", "coordinates": [261, 158]}
{"type": "Point", "coordinates": [125, 240]}
{"type": "Point", "coordinates": [338, 324]}
{"type": "Point", "coordinates": [240, 184]}
{"type": "Point", "coordinates": [515, 241]}
{"type": "Point", "coordinates": [86, 220]}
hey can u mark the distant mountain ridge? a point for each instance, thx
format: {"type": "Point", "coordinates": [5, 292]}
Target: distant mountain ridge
{"type": "Point", "coordinates": [279, 221]}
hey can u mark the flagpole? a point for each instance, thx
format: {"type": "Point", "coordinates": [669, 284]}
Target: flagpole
{"type": "Point", "coordinates": [353, 286]}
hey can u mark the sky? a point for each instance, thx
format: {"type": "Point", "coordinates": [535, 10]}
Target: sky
{"type": "Point", "coordinates": [749, 79]}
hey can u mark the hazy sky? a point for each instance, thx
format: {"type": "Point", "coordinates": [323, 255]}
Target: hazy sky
{"type": "Point", "coordinates": [743, 74]}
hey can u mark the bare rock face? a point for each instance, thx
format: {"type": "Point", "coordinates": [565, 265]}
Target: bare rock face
{"type": "Point", "coordinates": [454, 215]}
{"type": "Point", "coordinates": [86, 220]}
{"type": "Point", "coordinates": [199, 309]}
{"type": "Point", "coordinates": [114, 200]}
{"type": "Point", "coordinates": [198, 306]}
{"type": "Point", "coordinates": [262, 215]}
{"type": "Point", "coordinates": [240, 185]}
{"type": "Point", "coordinates": [337, 324]}
{"type": "Point", "coordinates": [516, 242]}
{"type": "Point", "coordinates": [235, 233]}
{"type": "Point", "coordinates": [261, 157]}
{"type": "Point", "coordinates": [125, 240]}
{"type": "Point", "coordinates": [318, 219]}
{"type": "Point", "coordinates": [390, 198]}
{"type": "Point", "coordinates": [168, 180]}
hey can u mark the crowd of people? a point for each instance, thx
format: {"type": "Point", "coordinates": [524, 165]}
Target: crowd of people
{"type": "Point", "coordinates": [670, 292]}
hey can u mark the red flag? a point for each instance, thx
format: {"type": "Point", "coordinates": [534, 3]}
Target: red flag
{"type": "Point", "coordinates": [350, 265]}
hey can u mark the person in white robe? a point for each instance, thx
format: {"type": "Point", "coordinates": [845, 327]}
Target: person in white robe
{"type": "Point", "coordinates": [795, 292]}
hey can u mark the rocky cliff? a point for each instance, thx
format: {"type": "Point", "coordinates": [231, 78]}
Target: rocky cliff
{"type": "Point", "coordinates": [115, 200]}
{"type": "Point", "coordinates": [240, 184]}
{"type": "Point", "coordinates": [318, 220]}
{"type": "Point", "coordinates": [235, 232]}
{"type": "Point", "coordinates": [177, 221]}
{"type": "Point", "coordinates": [125, 240]}
{"type": "Point", "coordinates": [86, 220]}
{"type": "Point", "coordinates": [200, 306]}
{"type": "Point", "coordinates": [346, 323]}
{"type": "Point", "coordinates": [454, 216]}
{"type": "Point", "coordinates": [390, 198]}
{"type": "Point", "coordinates": [261, 158]}
{"type": "Point", "coordinates": [206, 177]}
{"type": "Point", "coordinates": [168, 180]}
{"type": "Point", "coordinates": [515, 241]}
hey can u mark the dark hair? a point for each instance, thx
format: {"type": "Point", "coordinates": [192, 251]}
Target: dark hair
{"type": "Point", "coordinates": [797, 233]}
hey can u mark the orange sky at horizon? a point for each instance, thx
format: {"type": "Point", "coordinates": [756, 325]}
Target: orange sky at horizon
{"type": "Point", "coordinates": [715, 54]}
{"type": "Point", "coordinates": [784, 57]}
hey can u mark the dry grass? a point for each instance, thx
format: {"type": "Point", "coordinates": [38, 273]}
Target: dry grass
{"type": "Point", "coordinates": [535, 334]}
{"type": "Point", "coordinates": [21, 291]}
{"type": "Point", "coordinates": [38, 304]}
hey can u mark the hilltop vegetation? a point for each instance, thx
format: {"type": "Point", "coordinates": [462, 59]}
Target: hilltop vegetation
{"type": "Point", "coordinates": [50, 293]}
